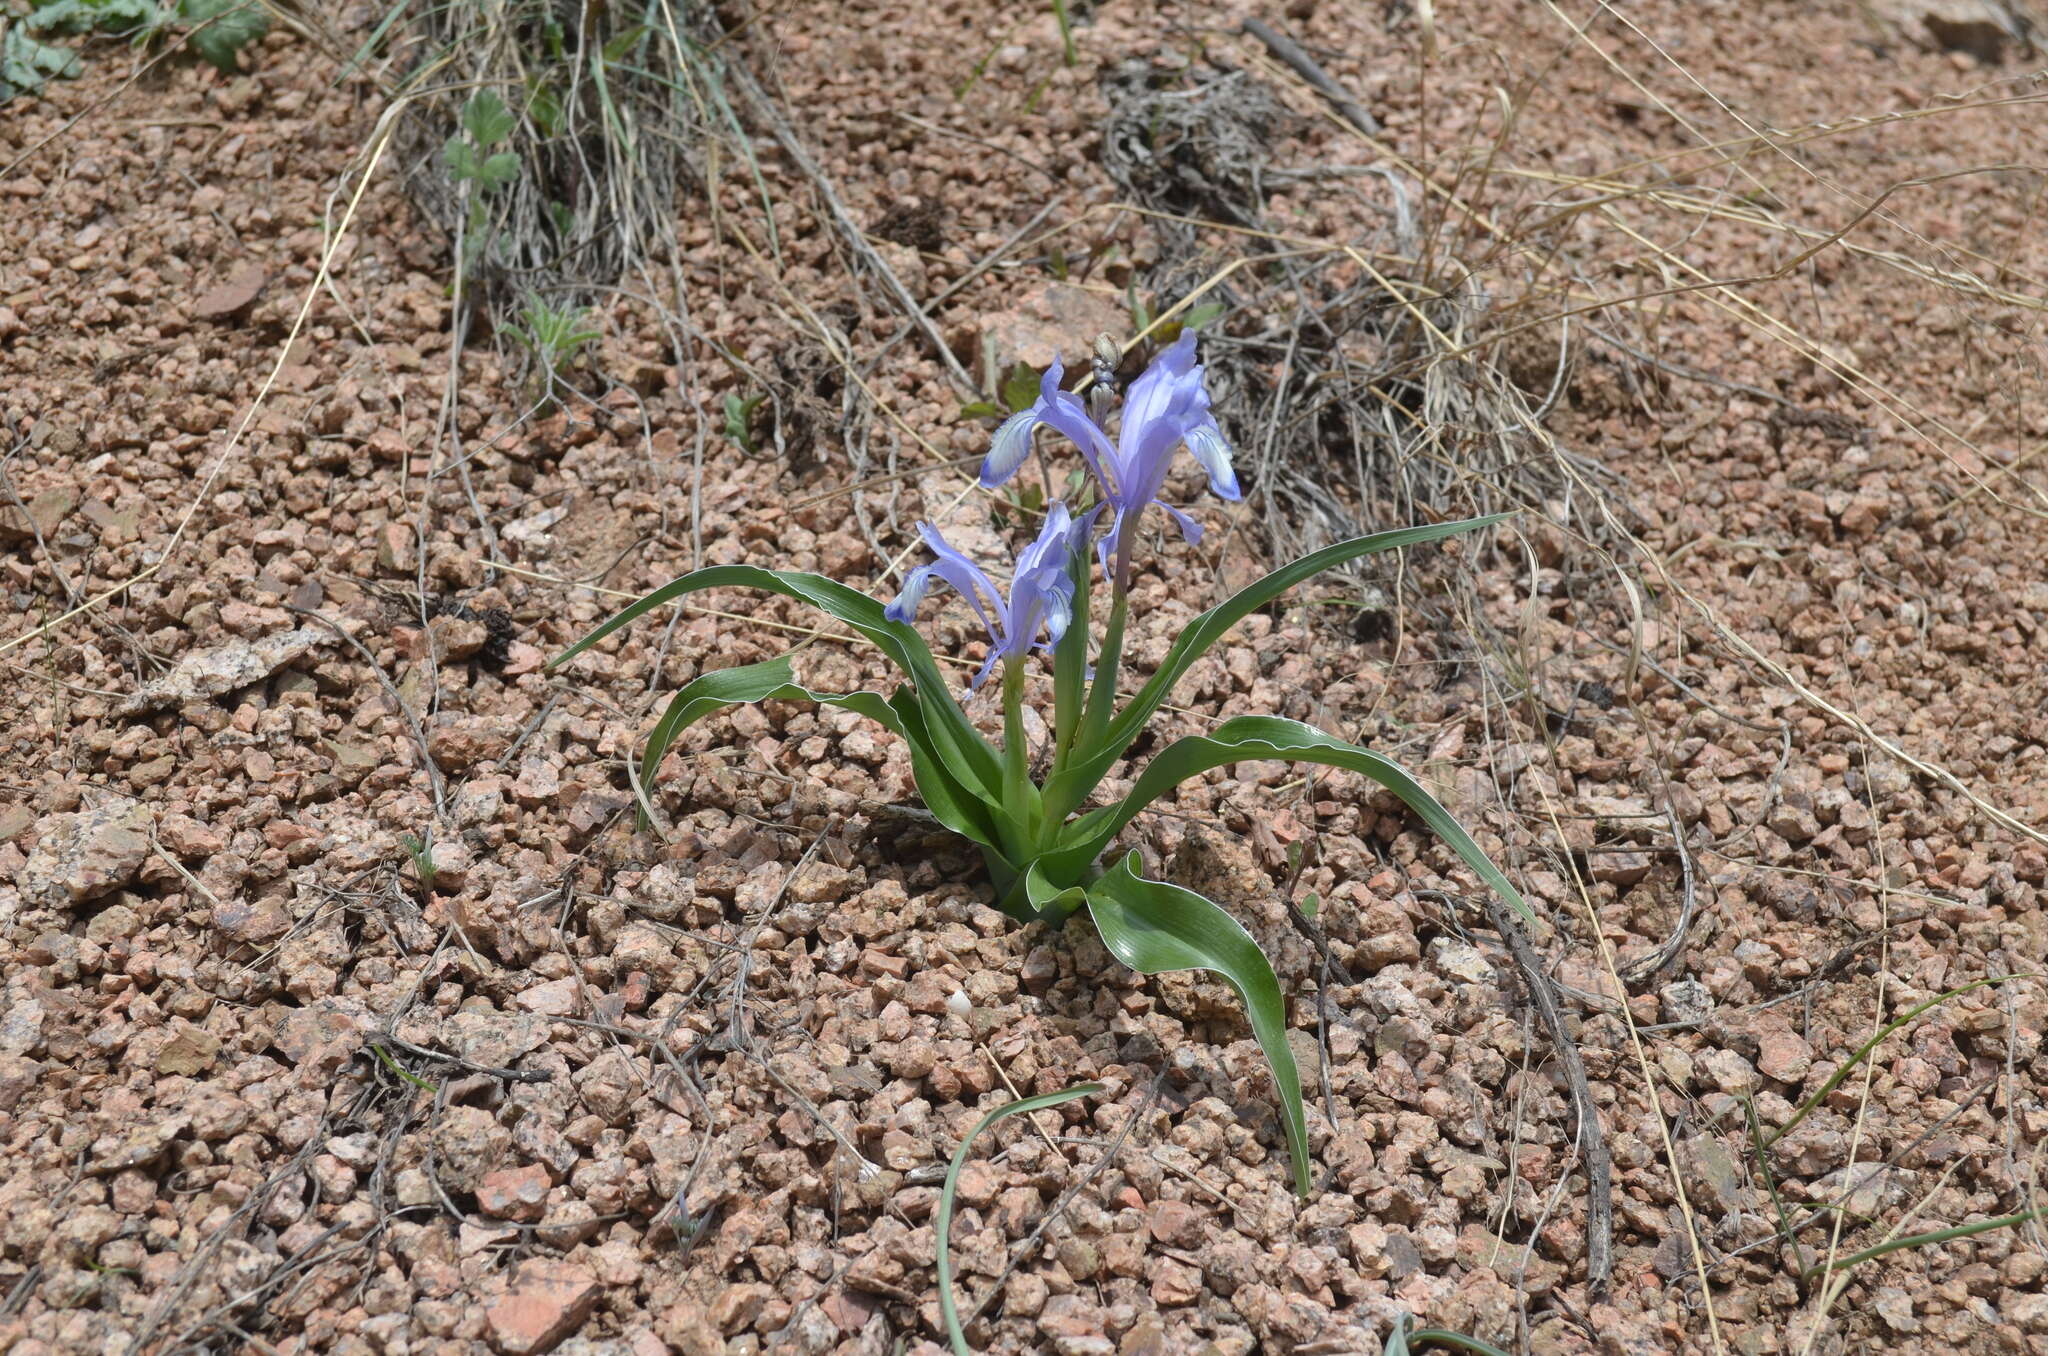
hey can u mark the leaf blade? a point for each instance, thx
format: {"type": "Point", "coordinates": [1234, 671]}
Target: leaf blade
{"type": "Point", "coordinates": [954, 740]}
{"type": "Point", "coordinates": [1066, 791]}
{"type": "Point", "coordinates": [1154, 926]}
{"type": "Point", "coordinates": [943, 1225]}
{"type": "Point", "coordinates": [773, 679]}
{"type": "Point", "coordinates": [1244, 738]}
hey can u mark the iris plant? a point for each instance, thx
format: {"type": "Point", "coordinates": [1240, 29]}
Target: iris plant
{"type": "Point", "coordinates": [1045, 850]}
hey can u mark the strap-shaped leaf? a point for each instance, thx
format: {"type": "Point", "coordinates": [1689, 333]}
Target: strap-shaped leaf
{"type": "Point", "coordinates": [1252, 737]}
{"type": "Point", "coordinates": [949, 1313]}
{"type": "Point", "coordinates": [1065, 792]}
{"type": "Point", "coordinates": [1050, 903]}
{"type": "Point", "coordinates": [953, 740]}
{"type": "Point", "coordinates": [771, 680]}
{"type": "Point", "coordinates": [1153, 926]}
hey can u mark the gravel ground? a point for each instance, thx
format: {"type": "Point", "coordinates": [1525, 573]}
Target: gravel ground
{"type": "Point", "coordinates": [268, 1085]}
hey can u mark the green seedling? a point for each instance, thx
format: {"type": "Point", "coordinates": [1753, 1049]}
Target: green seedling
{"type": "Point", "coordinates": [739, 420]}
{"type": "Point", "coordinates": [478, 169]}
{"type": "Point", "coordinates": [420, 847]}
{"type": "Point", "coordinates": [553, 335]}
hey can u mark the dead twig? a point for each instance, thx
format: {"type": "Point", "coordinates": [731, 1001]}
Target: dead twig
{"type": "Point", "coordinates": [1592, 1140]}
{"type": "Point", "coordinates": [1289, 52]}
{"type": "Point", "coordinates": [443, 1057]}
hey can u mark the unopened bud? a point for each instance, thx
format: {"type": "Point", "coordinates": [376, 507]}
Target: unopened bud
{"type": "Point", "coordinates": [1107, 356]}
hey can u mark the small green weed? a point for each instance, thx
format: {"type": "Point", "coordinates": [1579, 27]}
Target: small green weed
{"type": "Point", "coordinates": [739, 420]}
{"type": "Point", "coordinates": [553, 335]}
{"type": "Point", "coordinates": [478, 169]}
{"type": "Point", "coordinates": [420, 847]}
{"type": "Point", "coordinates": [215, 31]}
{"type": "Point", "coordinates": [26, 65]}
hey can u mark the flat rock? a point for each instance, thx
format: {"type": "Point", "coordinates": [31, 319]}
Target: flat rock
{"type": "Point", "coordinates": [236, 294]}
{"type": "Point", "coordinates": [88, 854]}
{"type": "Point", "coordinates": [117, 1151]}
{"type": "Point", "coordinates": [1053, 320]}
{"type": "Point", "coordinates": [1784, 1055]}
{"type": "Point", "coordinates": [330, 1021]}
{"type": "Point", "coordinates": [45, 512]}
{"type": "Point", "coordinates": [514, 1193]}
{"type": "Point", "coordinates": [495, 1038]}
{"type": "Point", "coordinates": [190, 1051]}
{"type": "Point", "coordinates": [205, 674]}
{"type": "Point", "coordinates": [548, 1300]}
{"type": "Point", "coordinates": [554, 998]}
{"type": "Point", "coordinates": [1983, 28]}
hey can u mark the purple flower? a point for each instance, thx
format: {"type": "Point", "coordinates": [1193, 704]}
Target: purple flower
{"type": "Point", "coordinates": [1165, 407]}
{"type": "Point", "coordinates": [1041, 590]}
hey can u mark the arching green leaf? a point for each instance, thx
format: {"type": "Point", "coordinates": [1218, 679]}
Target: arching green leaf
{"type": "Point", "coordinates": [771, 680]}
{"type": "Point", "coordinates": [1065, 792]}
{"type": "Point", "coordinates": [943, 1224]}
{"type": "Point", "coordinates": [954, 742]}
{"type": "Point", "coordinates": [1254, 737]}
{"type": "Point", "coordinates": [1153, 926]}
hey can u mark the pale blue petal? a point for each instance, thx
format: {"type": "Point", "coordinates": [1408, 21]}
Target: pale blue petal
{"type": "Point", "coordinates": [965, 576]}
{"type": "Point", "coordinates": [1068, 413]}
{"type": "Point", "coordinates": [1211, 449]}
{"type": "Point", "coordinates": [1059, 614]}
{"type": "Point", "coordinates": [1007, 450]}
{"type": "Point", "coordinates": [904, 609]}
{"type": "Point", "coordinates": [1159, 386]}
{"type": "Point", "coordinates": [1190, 530]}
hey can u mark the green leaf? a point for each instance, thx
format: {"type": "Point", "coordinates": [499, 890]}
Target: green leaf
{"type": "Point", "coordinates": [222, 28]}
{"type": "Point", "coordinates": [773, 680]}
{"type": "Point", "coordinates": [943, 1224]}
{"type": "Point", "coordinates": [1020, 387]}
{"type": "Point", "coordinates": [498, 170]}
{"type": "Point", "coordinates": [1153, 927]}
{"type": "Point", "coordinates": [88, 16]}
{"type": "Point", "coordinates": [1070, 658]}
{"type": "Point", "coordinates": [1067, 789]}
{"type": "Point", "coordinates": [27, 65]}
{"type": "Point", "coordinates": [486, 118]}
{"type": "Point", "coordinates": [981, 409]}
{"type": "Point", "coordinates": [1256, 737]}
{"type": "Point", "coordinates": [459, 158]}
{"type": "Point", "coordinates": [1048, 902]}
{"type": "Point", "coordinates": [1401, 1342]}
{"type": "Point", "coordinates": [956, 743]}
{"type": "Point", "coordinates": [616, 49]}
{"type": "Point", "coordinates": [1203, 316]}
{"type": "Point", "coordinates": [739, 419]}
{"type": "Point", "coordinates": [544, 107]}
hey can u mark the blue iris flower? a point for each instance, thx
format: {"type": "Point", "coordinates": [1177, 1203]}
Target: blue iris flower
{"type": "Point", "coordinates": [1166, 406]}
{"type": "Point", "coordinates": [1041, 590]}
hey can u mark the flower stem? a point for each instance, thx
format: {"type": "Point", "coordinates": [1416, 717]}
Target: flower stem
{"type": "Point", "coordinates": [1070, 665]}
{"type": "Point", "coordinates": [1102, 693]}
{"type": "Point", "coordinates": [1019, 798]}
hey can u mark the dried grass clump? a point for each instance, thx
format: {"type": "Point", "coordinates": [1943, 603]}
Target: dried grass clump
{"type": "Point", "coordinates": [613, 108]}
{"type": "Point", "coordinates": [1367, 366]}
